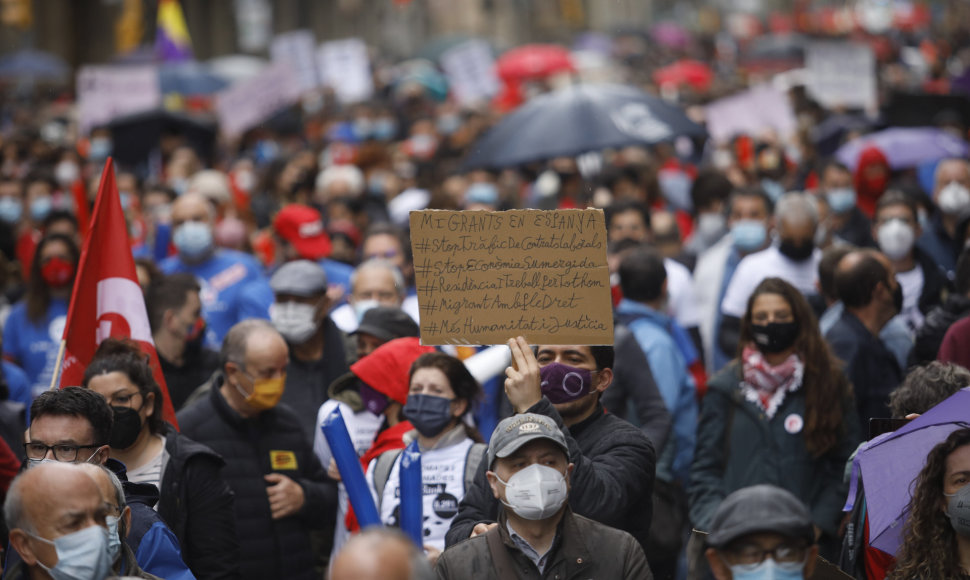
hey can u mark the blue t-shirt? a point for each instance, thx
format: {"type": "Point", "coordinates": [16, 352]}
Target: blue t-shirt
{"type": "Point", "coordinates": [338, 274]}
{"type": "Point", "coordinates": [34, 346]}
{"type": "Point", "coordinates": [18, 383]}
{"type": "Point", "coordinates": [233, 289]}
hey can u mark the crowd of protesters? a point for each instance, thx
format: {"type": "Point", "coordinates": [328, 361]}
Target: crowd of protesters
{"type": "Point", "coordinates": [769, 301]}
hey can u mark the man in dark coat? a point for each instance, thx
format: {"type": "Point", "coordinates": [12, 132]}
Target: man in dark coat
{"type": "Point", "coordinates": [281, 489]}
{"type": "Point", "coordinates": [614, 461]}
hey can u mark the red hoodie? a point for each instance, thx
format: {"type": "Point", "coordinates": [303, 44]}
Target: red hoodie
{"type": "Point", "coordinates": [870, 182]}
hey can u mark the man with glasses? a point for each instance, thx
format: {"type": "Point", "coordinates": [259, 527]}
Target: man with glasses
{"type": "Point", "coordinates": [762, 531]}
{"type": "Point", "coordinates": [73, 425]}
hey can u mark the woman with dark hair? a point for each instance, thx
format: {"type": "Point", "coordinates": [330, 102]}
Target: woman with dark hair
{"type": "Point", "coordinates": [936, 540]}
{"type": "Point", "coordinates": [781, 413]}
{"type": "Point", "coordinates": [195, 501]}
{"type": "Point", "coordinates": [440, 398]}
{"type": "Point", "coordinates": [32, 333]}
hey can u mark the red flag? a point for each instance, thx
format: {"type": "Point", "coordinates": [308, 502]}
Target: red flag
{"type": "Point", "coordinates": [107, 301]}
{"type": "Point", "coordinates": [81, 206]}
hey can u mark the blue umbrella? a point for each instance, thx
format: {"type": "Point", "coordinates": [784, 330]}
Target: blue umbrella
{"type": "Point", "coordinates": [580, 119]}
{"type": "Point", "coordinates": [189, 78]}
{"type": "Point", "coordinates": [905, 147]}
{"type": "Point", "coordinates": [34, 65]}
{"type": "Point", "coordinates": [891, 463]}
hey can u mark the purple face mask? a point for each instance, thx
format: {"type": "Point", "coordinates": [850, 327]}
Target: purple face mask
{"type": "Point", "coordinates": [563, 383]}
{"type": "Point", "coordinates": [373, 401]}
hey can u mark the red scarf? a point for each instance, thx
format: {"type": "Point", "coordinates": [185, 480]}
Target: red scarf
{"type": "Point", "coordinates": [767, 385]}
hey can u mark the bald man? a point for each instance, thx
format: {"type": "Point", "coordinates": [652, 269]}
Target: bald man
{"type": "Point", "coordinates": [380, 554]}
{"type": "Point", "coordinates": [234, 287]}
{"type": "Point", "coordinates": [56, 517]}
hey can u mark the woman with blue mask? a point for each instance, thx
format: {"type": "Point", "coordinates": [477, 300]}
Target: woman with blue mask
{"type": "Point", "coordinates": [936, 539]}
{"type": "Point", "coordinates": [440, 398]}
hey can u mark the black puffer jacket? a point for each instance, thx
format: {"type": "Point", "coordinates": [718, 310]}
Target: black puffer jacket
{"type": "Point", "coordinates": [612, 481]}
{"type": "Point", "coordinates": [268, 548]}
{"type": "Point", "coordinates": [197, 505]}
{"type": "Point", "coordinates": [937, 322]}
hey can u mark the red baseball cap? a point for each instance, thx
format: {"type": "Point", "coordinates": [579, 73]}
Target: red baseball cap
{"type": "Point", "coordinates": [301, 226]}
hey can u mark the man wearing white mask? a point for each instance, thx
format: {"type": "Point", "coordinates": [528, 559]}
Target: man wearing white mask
{"type": "Point", "coordinates": [376, 282]}
{"type": "Point", "coordinates": [317, 356]}
{"type": "Point", "coordinates": [233, 285]}
{"type": "Point", "coordinates": [951, 193]}
{"type": "Point", "coordinates": [896, 228]}
{"type": "Point", "coordinates": [529, 473]}
{"type": "Point", "coordinates": [57, 521]}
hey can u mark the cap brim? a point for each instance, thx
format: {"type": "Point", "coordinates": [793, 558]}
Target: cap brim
{"type": "Point", "coordinates": [313, 248]}
{"type": "Point", "coordinates": [373, 331]}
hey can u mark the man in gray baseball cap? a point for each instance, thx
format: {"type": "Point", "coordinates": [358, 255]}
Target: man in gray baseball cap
{"type": "Point", "coordinates": [762, 531]}
{"type": "Point", "coordinates": [317, 354]}
{"type": "Point", "coordinates": [537, 534]}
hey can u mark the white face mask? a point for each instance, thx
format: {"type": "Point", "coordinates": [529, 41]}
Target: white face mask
{"type": "Point", "coordinates": [362, 306]}
{"type": "Point", "coordinates": [953, 198]}
{"type": "Point", "coordinates": [81, 555]}
{"type": "Point", "coordinates": [896, 239]}
{"type": "Point", "coordinates": [536, 492]}
{"type": "Point", "coordinates": [295, 321]}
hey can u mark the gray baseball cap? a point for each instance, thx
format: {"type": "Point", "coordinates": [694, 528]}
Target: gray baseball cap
{"type": "Point", "coordinates": [299, 278]}
{"type": "Point", "coordinates": [517, 430]}
{"type": "Point", "coordinates": [758, 509]}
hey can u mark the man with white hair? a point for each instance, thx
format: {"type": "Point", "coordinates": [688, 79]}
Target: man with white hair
{"type": "Point", "coordinates": [233, 285]}
{"type": "Point", "coordinates": [951, 193]}
{"type": "Point", "coordinates": [338, 181]}
{"type": "Point", "coordinates": [793, 258]}
{"type": "Point", "coordinates": [376, 282]}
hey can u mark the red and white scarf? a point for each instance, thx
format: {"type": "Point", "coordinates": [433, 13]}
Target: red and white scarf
{"type": "Point", "coordinates": [766, 385]}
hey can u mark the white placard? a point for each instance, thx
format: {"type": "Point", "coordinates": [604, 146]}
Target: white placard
{"type": "Point", "coordinates": [298, 48]}
{"type": "Point", "coordinates": [841, 74]}
{"type": "Point", "coordinates": [247, 104]}
{"type": "Point", "coordinates": [108, 92]}
{"type": "Point", "coordinates": [471, 71]}
{"type": "Point", "coordinates": [762, 108]}
{"type": "Point", "coordinates": [345, 68]}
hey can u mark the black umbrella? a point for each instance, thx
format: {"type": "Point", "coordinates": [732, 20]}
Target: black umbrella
{"type": "Point", "coordinates": [577, 120]}
{"type": "Point", "coordinates": [136, 136]}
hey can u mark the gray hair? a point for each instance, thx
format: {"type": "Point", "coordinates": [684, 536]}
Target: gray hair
{"type": "Point", "coordinates": [236, 340]}
{"type": "Point", "coordinates": [794, 207]}
{"type": "Point", "coordinates": [116, 483]}
{"type": "Point", "coordinates": [381, 264]}
{"type": "Point", "coordinates": [376, 538]}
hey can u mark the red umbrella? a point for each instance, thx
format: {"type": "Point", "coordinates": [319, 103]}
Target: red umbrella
{"type": "Point", "coordinates": [533, 61]}
{"type": "Point", "coordinates": [685, 72]}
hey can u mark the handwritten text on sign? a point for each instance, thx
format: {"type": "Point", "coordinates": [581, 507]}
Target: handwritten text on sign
{"type": "Point", "coordinates": [484, 277]}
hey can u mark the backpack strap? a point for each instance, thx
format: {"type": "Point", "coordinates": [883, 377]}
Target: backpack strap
{"type": "Point", "coordinates": [382, 472]}
{"type": "Point", "coordinates": [472, 460]}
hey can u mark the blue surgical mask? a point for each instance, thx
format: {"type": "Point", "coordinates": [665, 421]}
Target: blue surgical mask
{"type": "Point", "coordinates": [100, 149]}
{"type": "Point", "coordinates": [769, 570]}
{"type": "Point", "coordinates": [114, 539]}
{"type": "Point", "coordinates": [384, 129]}
{"type": "Point", "coordinates": [429, 414]}
{"type": "Point", "coordinates": [363, 129]}
{"type": "Point", "coordinates": [448, 124]}
{"type": "Point", "coordinates": [193, 239]}
{"type": "Point", "coordinates": [841, 200]}
{"type": "Point", "coordinates": [81, 555]}
{"type": "Point", "coordinates": [362, 306]}
{"type": "Point", "coordinates": [11, 210]}
{"type": "Point", "coordinates": [773, 189]}
{"type": "Point", "coordinates": [40, 208]}
{"type": "Point", "coordinates": [749, 235]}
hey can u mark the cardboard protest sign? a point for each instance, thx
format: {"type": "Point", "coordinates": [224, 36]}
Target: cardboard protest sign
{"type": "Point", "coordinates": [108, 92]}
{"type": "Point", "coordinates": [484, 277]}
{"type": "Point", "coordinates": [247, 104]}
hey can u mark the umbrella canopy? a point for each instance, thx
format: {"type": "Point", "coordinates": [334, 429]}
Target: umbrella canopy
{"type": "Point", "coordinates": [189, 78]}
{"type": "Point", "coordinates": [905, 146]}
{"type": "Point", "coordinates": [533, 61]}
{"type": "Point", "coordinates": [891, 463]}
{"type": "Point", "coordinates": [830, 133]}
{"type": "Point", "coordinates": [29, 64]}
{"type": "Point", "coordinates": [423, 74]}
{"type": "Point", "coordinates": [136, 136]}
{"type": "Point", "coordinates": [670, 35]}
{"type": "Point", "coordinates": [685, 72]}
{"type": "Point", "coordinates": [237, 67]}
{"type": "Point", "coordinates": [775, 52]}
{"type": "Point", "coordinates": [580, 119]}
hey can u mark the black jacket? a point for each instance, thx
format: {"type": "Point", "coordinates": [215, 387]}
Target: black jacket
{"type": "Point", "coordinates": [937, 322]}
{"type": "Point", "coordinates": [612, 481]}
{"type": "Point", "coordinates": [198, 365]}
{"type": "Point", "coordinates": [307, 381]}
{"type": "Point", "coordinates": [935, 283]}
{"type": "Point", "coordinates": [197, 505]}
{"type": "Point", "coordinates": [271, 442]}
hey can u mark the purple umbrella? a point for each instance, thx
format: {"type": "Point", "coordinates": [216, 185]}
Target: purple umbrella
{"type": "Point", "coordinates": [905, 146]}
{"type": "Point", "coordinates": [890, 465]}
{"type": "Point", "coordinates": [670, 35]}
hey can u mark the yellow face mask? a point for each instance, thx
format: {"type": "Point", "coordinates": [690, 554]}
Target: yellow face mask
{"type": "Point", "coordinates": [266, 392]}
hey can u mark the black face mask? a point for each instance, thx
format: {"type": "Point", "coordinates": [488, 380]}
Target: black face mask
{"type": "Point", "coordinates": [797, 251]}
{"type": "Point", "coordinates": [774, 337]}
{"type": "Point", "coordinates": [125, 429]}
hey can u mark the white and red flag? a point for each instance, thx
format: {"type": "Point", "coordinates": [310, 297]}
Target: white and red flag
{"type": "Point", "coordinates": [107, 300]}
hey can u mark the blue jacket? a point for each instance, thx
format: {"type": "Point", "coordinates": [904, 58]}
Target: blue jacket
{"type": "Point", "coordinates": [652, 331]}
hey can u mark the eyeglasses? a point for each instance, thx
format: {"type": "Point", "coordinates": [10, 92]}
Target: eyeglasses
{"type": "Point", "coordinates": [753, 554]}
{"type": "Point", "coordinates": [62, 452]}
{"type": "Point", "coordinates": [122, 399]}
